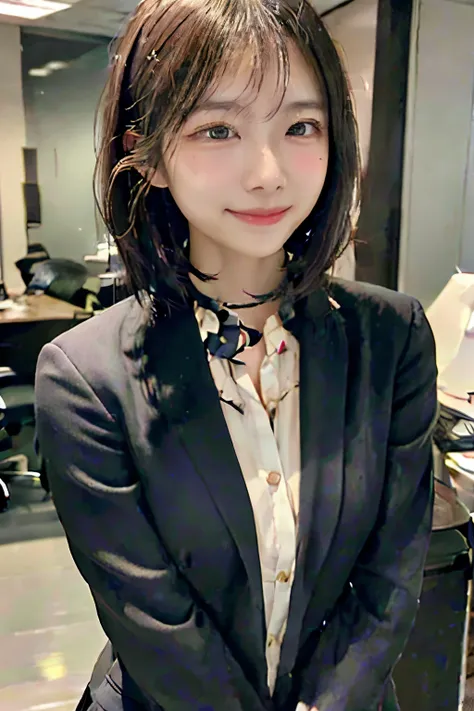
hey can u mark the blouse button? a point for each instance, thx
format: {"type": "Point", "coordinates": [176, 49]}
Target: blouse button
{"type": "Point", "coordinates": [273, 478]}
{"type": "Point", "coordinates": [272, 408]}
{"type": "Point", "coordinates": [282, 577]}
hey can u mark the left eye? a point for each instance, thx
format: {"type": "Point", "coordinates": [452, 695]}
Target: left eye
{"type": "Point", "coordinates": [219, 133]}
{"type": "Point", "coordinates": [302, 128]}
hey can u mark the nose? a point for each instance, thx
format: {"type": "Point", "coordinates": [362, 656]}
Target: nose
{"type": "Point", "coordinates": [263, 170]}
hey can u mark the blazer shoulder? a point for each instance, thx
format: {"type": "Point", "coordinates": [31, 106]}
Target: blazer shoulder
{"type": "Point", "coordinates": [373, 300]}
{"type": "Point", "coordinates": [98, 329]}
{"type": "Point", "coordinates": [385, 320]}
{"type": "Point", "coordinates": [96, 346]}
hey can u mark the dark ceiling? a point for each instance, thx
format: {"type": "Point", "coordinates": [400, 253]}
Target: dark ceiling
{"type": "Point", "coordinates": [42, 45]}
{"type": "Point", "coordinates": [39, 48]}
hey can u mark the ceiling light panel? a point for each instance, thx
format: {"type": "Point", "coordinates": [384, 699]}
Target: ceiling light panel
{"type": "Point", "coordinates": [31, 9]}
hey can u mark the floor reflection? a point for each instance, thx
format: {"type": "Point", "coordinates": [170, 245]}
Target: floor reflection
{"type": "Point", "coordinates": [49, 636]}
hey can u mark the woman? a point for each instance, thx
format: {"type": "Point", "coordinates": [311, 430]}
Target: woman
{"type": "Point", "coordinates": [240, 454]}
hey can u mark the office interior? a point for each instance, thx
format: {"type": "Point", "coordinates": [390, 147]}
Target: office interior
{"type": "Point", "coordinates": [411, 68]}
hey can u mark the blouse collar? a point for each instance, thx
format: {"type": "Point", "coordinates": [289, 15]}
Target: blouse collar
{"type": "Point", "coordinates": [225, 335]}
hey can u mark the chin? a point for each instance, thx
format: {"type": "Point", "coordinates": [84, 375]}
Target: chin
{"type": "Point", "coordinates": [260, 253]}
{"type": "Point", "coordinates": [259, 245]}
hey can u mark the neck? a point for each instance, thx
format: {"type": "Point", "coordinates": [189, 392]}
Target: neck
{"type": "Point", "coordinates": [238, 279]}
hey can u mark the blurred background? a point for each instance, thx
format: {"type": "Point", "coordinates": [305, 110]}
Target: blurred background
{"type": "Point", "coordinates": [411, 68]}
{"type": "Point", "coordinates": [412, 78]}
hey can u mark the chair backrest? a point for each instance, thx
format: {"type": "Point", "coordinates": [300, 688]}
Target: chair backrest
{"type": "Point", "coordinates": [36, 248]}
{"type": "Point", "coordinates": [21, 343]}
{"type": "Point", "coordinates": [37, 253]}
{"type": "Point", "coordinates": [61, 278]}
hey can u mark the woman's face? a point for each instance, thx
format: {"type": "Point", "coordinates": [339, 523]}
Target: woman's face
{"type": "Point", "coordinates": [244, 174]}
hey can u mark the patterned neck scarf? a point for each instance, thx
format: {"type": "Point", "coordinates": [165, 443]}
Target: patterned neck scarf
{"type": "Point", "coordinates": [227, 335]}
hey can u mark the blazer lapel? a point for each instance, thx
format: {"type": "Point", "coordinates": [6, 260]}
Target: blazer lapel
{"type": "Point", "coordinates": [323, 381]}
{"type": "Point", "coordinates": [189, 402]}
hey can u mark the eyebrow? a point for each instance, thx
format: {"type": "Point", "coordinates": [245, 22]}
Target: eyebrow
{"type": "Point", "coordinates": [213, 105]}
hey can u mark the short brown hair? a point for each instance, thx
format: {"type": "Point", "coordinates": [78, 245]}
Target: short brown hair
{"type": "Point", "coordinates": [170, 54]}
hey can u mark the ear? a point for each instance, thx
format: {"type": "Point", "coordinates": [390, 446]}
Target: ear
{"type": "Point", "coordinates": [129, 141]}
{"type": "Point", "coordinates": [155, 177]}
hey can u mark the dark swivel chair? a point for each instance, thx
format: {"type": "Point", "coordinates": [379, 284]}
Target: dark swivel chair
{"type": "Point", "coordinates": [68, 281]}
{"type": "Point", "coordinates": [37, 253]}
{"type": "Point", "coordinates": [20, 345]}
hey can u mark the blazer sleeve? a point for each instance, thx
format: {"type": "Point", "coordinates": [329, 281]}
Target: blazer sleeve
{"type": "Point", "coordinates": [167, 644]}
{"type": "Point", "coordinates": [367, 632]}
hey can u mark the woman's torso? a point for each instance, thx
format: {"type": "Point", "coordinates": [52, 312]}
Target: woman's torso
{"type": "Point", "coordinates": [179, 450]}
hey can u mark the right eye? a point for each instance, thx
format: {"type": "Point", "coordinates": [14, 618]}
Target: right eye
{"type": "Point", "coordinates": [219, 133]}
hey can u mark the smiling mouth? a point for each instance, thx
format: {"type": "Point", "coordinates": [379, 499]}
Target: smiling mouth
{"type": "Point", "coordinates": [260, 217]}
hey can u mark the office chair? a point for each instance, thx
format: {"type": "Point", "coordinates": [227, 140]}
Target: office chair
{"type": "Point", "coordinates": [20, 347]}
{"type": "Point", "coordinates": [66, 280]}
{"type": "Point", "coordinates": [37, 253]}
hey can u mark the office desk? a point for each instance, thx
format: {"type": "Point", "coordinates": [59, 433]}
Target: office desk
{"type": "Point", "coordinates": [41, 308]}
{"type": "Point", "coordinates": [23, 333]}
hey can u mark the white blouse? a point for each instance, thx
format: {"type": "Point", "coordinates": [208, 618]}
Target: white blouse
{"type": "Point", "coordinates": [266, 439]}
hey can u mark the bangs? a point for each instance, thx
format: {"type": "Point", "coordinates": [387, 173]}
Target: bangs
{"type": "Point", "coordinates": [183, 52]}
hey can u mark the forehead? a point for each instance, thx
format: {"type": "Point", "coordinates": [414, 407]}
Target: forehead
{"type": "Point", "coordinates": [249, 85]}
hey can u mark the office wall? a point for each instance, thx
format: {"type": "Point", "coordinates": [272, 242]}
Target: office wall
{"type": "Point", "coordinates": [12, 140]}
{"type": "Point", "coordinates": [60, 111]}
{"type": "Point", "coordinates": [467, 246]}
{"type": "Point", "coordinates": [354, 28]}
{"type": "Point", "coordinates": [437, 147]}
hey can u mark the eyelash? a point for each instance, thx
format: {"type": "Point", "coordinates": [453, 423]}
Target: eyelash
{"type": "Point", "coordinates": [202, 131]}
{"type": "Point", "coordinates": [311, 122]}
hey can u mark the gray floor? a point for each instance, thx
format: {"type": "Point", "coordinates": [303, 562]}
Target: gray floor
{"type": "Point", "coordinates": [49, 637]}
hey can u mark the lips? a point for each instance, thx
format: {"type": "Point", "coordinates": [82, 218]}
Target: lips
{"type": "Point", "coordinates": [260, 216]}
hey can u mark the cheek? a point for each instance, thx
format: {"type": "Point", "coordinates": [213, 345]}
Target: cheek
{"type": "Point", "coordinates": [311, 163]}
{"type": "Point", "coordinates": [197, 176]}
{"type": "Point", "coordinates": [203, 168]}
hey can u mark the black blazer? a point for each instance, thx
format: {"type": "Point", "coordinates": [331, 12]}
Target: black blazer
{"type": "Point", "coordinates": [156, 511]}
